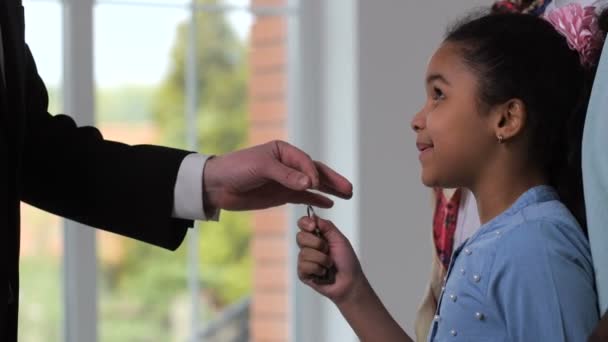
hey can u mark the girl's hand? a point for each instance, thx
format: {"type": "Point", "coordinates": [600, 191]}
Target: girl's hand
{"type": "Point", "coordinates": [317, 256]}
{"type": "Point", "coordinates": [351, 292]}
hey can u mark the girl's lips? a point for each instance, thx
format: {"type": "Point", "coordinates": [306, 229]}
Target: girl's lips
{"type": "Point", "coordinates": [424, 149]}
{"type": "Point", "coordinates": [423, 146]}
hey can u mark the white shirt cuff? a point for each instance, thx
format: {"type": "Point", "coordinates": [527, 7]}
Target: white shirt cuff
{"type": "Point", "coordinates": [188, 193]}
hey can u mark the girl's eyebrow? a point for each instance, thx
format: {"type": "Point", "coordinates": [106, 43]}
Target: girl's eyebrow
{"type": "Point", "coordinates": [436, 77]}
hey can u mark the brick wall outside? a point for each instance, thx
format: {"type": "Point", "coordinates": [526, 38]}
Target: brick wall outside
{"type": "Point", "coordinates": [267, 121]}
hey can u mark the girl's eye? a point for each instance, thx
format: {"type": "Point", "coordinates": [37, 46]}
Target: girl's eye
{"type": "Point", "coordinates": [438, 94]}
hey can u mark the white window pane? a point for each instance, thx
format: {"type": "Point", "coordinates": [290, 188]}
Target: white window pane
{"type": "Point", "coordinates": [40, 302]}
{"type": "Point", "coordinates": [143, 293]}
{"type": "Point", "coordinates": [140, 98]}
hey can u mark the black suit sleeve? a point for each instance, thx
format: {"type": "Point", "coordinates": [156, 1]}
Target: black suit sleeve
{"type": "Point", "coordinates": [73, 172]}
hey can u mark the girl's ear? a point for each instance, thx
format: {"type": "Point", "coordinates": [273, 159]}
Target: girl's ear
{"type": "Point", "coordinates": [510, 120]}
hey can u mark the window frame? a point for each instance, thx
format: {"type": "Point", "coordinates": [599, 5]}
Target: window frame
{"type": "Point", "coordinates": [80, 266]}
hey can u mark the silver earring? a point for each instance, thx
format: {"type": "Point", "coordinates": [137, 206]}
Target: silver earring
{"type": "Point", "coordinates": [501, 139]}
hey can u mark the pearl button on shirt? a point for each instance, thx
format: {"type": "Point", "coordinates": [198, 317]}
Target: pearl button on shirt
{"type": "Point", "coordinates": [532, 282]}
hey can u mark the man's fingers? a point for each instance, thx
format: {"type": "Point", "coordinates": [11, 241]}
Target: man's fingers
{"type": "Point", "coordinates": [295, 170]}
{"type": "Point", "coordinates": [310, 198]}
{"type": "Point", "coordinates": [297, 159]}
{"type": "Point", "coordinates": [288, 177]}
{"type": "Point", "coordinates": [332, 182]}
{"type": "Point", "coordinates": [331, 191]}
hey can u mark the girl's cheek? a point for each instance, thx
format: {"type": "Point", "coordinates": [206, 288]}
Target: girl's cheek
{"type": "Point", "coordinates": [428, 117]}
{"type": "Point", "coordinates": [433, 122]}
{"type": "Point", "coordinates": [441, 122]}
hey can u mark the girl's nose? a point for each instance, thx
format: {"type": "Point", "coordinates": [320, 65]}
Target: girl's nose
{"type": "Point", "coordinates": [417, 122]}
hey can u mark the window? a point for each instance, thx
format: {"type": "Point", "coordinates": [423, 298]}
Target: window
{"type": "Point", "coordinates": [229, 281]}
{"type": "Point", "coordinates": [142, 289]}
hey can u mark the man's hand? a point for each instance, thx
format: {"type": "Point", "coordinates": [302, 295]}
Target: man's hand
{"type": "Point", "coordinates": [269, 175]}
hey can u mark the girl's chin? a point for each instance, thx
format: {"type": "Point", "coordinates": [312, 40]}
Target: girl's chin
{"type": "Point", "coordinates": [429, 180]}
{"type": "Point", "coordinates": [433, 181]}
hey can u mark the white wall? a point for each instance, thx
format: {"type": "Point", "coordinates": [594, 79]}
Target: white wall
{"type": "Point", "coordinates": [395, 40]}
{"type": "Point", "coordinates": [371, 56]}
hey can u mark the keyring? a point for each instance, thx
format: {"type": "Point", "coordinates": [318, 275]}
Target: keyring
{"type": "Point", "coordinates": [330, 275]}
{"type": "Point", "coordinates": [310, 211]}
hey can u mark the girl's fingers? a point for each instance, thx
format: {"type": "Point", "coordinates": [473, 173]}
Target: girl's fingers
{"type": "Point", "coordinates": [307, 224]}
{"type": "Point", "coordinates": [326, 227]}
{"type": "Point", "coordinates": [309, 240]}
{"type": "Point", "coordinates": [330, 231]}
{"type": "Point", "coordinates": [308, 269]}
{"type": "Point", "coordinates": [313, 255]}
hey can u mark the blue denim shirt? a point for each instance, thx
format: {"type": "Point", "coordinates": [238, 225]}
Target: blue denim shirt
{"type": "Point", "coordinates": [526, 275]}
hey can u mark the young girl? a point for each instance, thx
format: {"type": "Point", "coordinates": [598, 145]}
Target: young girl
{"type": "Point", "coordinates": [506, 97]}
{"type": "Point", "coordinates": [455, 219]}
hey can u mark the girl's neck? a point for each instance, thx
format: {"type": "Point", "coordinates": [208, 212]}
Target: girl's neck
{"type": "Point", "coordinates": [496, 193]}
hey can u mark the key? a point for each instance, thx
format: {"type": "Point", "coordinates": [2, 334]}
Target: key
{"type": "Point", "coordinates": [330, 275]}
